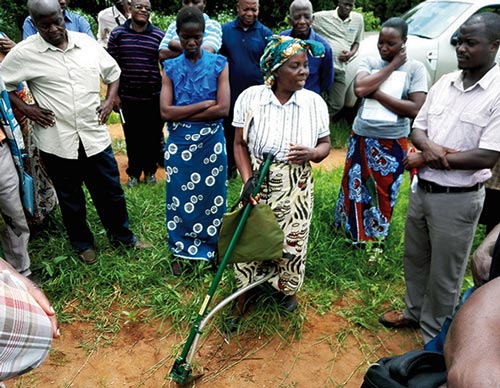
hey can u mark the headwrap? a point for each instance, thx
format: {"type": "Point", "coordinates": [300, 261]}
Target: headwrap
{"type": "Point", "coordinates": [280, 49]}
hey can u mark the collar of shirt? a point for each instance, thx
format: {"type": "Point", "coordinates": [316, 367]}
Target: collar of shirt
{"type": "Point", "coordinates": [68, 16]}
{"type": "Point", "coordinates": [270, 98]}
{"type": "Point", "coordinates": [336, 15]}
{"type": "Point", "coordinates": [43, 45]}
{"type": "Point", "coordinates": [484, 82]}
{"type": "Point", "coordinates": [236, 24]}
{"type": "Point", "coordinates": [128, 23]}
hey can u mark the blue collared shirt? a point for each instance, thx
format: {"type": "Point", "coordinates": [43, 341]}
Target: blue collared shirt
{"type": "Point", "coordinates": [73, 21]}
{"type": "Point", "coordinates": [321, 71]}
{"type": "Point", "coordinates": [243, 49]}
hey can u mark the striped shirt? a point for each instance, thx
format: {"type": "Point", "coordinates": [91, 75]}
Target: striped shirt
{"type": "Point", "coordinates": [303, 119]}
{"type": "Point", "coordinates": [212, 37]}
{"type": "Point", "coordinates": [341, 34]}
{"type": "Point", "coordinates": [137, 56]}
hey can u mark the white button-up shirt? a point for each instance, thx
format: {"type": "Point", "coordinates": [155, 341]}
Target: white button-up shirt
{"type": "Point", "coordinates": [303, 119]}
{"type": "Point", "coordinates": [67, 82]}
{"type": "Point", "coordinates": [462, 119]}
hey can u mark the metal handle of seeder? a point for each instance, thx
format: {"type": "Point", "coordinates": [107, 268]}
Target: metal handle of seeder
{"type": "Point", "coordinates": [181, 370]}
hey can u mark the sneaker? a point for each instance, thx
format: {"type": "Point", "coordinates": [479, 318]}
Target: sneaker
{"type": "Point", "coordinates": [150, 179]}
{"type": "Point", "coordinates": [88, 256]}
{"type": "Point", "coordinates": [132, 182]}
{"type": "Point", "coordinates": [395, 319]}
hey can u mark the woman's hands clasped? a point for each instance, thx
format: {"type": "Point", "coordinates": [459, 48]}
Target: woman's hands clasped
{"type": "Point", "coordinates": [299, 154]}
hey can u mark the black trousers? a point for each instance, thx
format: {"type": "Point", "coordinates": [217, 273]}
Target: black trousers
{"type": "Point", "coordinates": [143, 129]}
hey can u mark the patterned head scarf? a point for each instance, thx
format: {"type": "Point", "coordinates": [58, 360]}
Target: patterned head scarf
{"type": "Point", "coordinates": [280, 49]}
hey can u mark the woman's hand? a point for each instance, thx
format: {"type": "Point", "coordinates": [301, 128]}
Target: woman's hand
{"type": "Point", "coordinates": [300, 154]}
{"type": "Point", "coordinates": [248, 189]}
{"type": "Point", "coordinates": [413, 160]}
{"type": "Point", "coordinates": [400, 58]}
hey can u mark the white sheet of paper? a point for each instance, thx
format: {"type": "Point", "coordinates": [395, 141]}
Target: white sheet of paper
{"type": "Point", "coordinates": [393, 86]}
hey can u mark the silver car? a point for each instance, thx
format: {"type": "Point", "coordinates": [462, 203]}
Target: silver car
{"type": "Point", "coordinates": [432, 33]}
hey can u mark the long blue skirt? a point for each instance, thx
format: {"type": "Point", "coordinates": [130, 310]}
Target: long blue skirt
{"type": "Point", "coordinates": [196, 171]}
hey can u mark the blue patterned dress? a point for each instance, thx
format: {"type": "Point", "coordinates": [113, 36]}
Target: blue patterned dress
{"type": "Point", "coordinates": [195, 162]}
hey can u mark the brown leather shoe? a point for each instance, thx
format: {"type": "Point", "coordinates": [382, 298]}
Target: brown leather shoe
{"type": "Point", "coordinates": [395, 319]}
{"type": "Point", "coordinates": [88, 256]}
{"type": "Point", "coordinates": [176, 267]}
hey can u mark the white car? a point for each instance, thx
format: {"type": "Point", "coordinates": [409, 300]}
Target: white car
{"type": "Point", "coordinates": [432, 32]}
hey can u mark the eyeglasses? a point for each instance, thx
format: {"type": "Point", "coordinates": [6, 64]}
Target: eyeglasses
{"type": "Point", "coordinates": [140, 7]}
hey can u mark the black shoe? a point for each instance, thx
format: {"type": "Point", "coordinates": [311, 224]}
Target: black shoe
{"type": "Point", "coordinates": [88, 256]}
{"type": "Point", "coordinates": [290, 303]}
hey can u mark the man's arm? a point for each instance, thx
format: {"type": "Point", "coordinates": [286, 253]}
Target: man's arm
{"type": "Point", "coordinates": [482, 256]}
{"type": "Point", "coordinates": [44, 117]}
{"type": "Point", "coordinates": [471, 349]}
{"type": "Point", "coordinates": [107, 105]}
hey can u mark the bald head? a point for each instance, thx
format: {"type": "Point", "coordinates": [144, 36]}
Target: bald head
{"type": "Point", "coordinates": [41, 8]}
{"type": "Point", "coordinates": [301, 4]}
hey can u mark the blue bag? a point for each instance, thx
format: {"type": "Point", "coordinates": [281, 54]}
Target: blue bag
{"type": "Point", "coordinates": [16, 144]}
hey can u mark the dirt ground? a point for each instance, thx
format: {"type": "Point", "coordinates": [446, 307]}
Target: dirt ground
{"type": "Point", "coordinates": [330, 353]}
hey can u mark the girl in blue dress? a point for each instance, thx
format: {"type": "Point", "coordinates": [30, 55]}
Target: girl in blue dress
{"type": "Point", "coordinates": [194, 99]}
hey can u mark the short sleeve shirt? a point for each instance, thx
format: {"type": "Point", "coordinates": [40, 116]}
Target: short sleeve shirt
{"type": "Point", "coordinates": [341, 34]}
{"type": "Point", "coordinates": [303, 119]}
{"type": "Point", "coordinates": [415, 81]}
{"type": "Point", "coordinates": [67, 82]}
{"type": "Point", "coordinates": [212, 36]}
{"type": "Point", "coordinates": [462, 119]}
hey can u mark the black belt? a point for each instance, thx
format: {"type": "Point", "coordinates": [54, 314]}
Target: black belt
{"type": "Point", "coordinates": [431, 187]}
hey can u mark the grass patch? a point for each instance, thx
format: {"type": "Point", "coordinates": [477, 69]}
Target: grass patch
{"type": "Point", "coordinates": [128, 286]}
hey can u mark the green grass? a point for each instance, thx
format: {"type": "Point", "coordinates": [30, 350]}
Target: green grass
{"type": "Point", "coordinates": [138, 286]}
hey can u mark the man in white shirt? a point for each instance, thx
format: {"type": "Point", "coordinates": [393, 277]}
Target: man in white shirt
{"type": "Point", "coordinates": [111, 17]}
{"type": "Point", "coordinates": [458, 132]}
{"type": "Point", "coordinates": [63, 71]}
{"type": "Point", "coordinates": [343, 29]}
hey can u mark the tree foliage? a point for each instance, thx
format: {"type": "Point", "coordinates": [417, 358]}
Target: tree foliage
{"type": "Point", "coordinates": [273, 13]}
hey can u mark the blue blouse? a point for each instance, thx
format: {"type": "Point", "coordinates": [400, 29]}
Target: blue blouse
{"type": "Point", "coordinates": [194, 82]}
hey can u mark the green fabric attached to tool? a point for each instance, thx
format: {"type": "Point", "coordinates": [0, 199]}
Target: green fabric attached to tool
{"type": "Point", "coordinates": [261, 238]}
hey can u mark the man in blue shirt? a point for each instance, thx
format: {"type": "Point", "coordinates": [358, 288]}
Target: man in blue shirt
{"type": "Point", "coordinates": [73, 21]}
{"type": "Point", "coordinates": [243, 43]}
{"type": "Point", "coordinates": [321, 71]}
{"type": "Point", "coordinates": [170, 46]}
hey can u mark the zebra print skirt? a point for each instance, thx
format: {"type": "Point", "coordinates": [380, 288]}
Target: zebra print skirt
{"type": "Point", "coordinates": [289, 191]}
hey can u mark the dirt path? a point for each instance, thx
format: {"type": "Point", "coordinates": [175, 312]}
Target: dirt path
{"type": "Point", "coordinates": [336, 157]}
{"type": "Point", "coordinates": [330, 353]}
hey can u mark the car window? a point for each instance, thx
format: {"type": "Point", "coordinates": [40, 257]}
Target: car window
{"type": "Point", "coordinates": [431, 19]}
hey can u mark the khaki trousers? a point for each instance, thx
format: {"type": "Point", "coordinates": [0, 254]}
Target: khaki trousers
{"type": "Point", "coordinates": [439, 232]}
